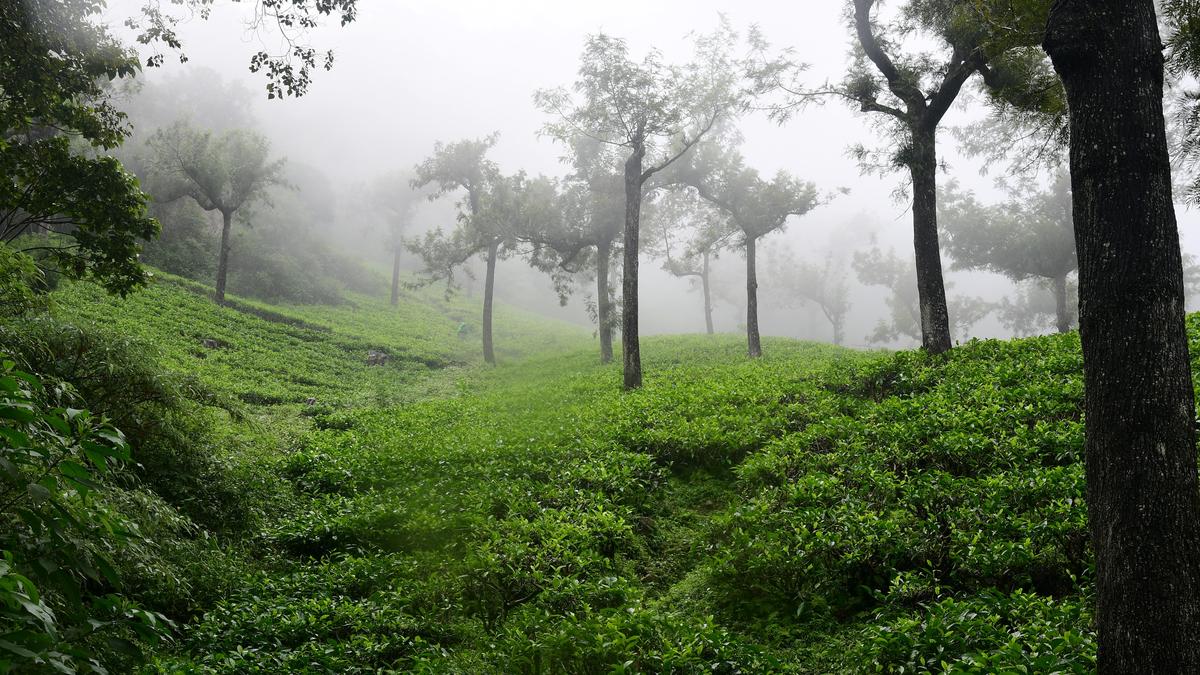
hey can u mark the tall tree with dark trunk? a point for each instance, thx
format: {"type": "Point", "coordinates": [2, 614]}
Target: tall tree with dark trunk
{"type": "Point", "coordinates": [464, 166]}
{"type": "Point", "coordinates": [656, 113]}
{"type": "Point", "coordinates": [755, 208]}
{"type": "Point", "coordinates": [1143, 499]}
{"type": "Point", "coordinates": [221, 173]}
{"type": "Point", "coordinates": [1030, 236]}
{"type": "Point", "coordinates": [920, 90]}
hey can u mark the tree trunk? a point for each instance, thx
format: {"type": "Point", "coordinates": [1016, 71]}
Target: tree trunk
{"type": "Point", "coordinates": [396, 277]}
{"type": "Point", "coordinates": [489, 286]}
{"type": "Point", "coordinates": [754, 342]}
{"type": "Point", "coordinates": [603, 305]}
{"type": "Point", "coordinates": [708, 309]}
{"type": "Point", "coordinates": [1143, 505]}
{"type": "Point", "coordinates": [1062, 313]}
{"type": "Point", "coordinates": [630, 348]}
{"type": "Point", "coordinates": [223, 256]}
{"type": "Point", "coordinates": [935, 319]}
{"type": "Point", "coordinates": [839, 332]}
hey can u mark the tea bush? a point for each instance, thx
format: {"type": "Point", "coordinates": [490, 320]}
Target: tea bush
{"type": "Point", "coordinates": [818, 510]}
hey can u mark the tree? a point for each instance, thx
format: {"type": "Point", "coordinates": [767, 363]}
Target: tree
{"type": "Point", "coordinates": [802, 282]}
{"type": "Point", "coordinates": [396, 200]}
{"type": "Point", "coordinates": [1142, 491]}
{"type": "Point", "coordinates": [88, 213]}
{"type": "Point", "coordinates": [875, 268]}
{"type": "Point", "coordinates": [755, 208]}
{"type": "Point", "coordinates": [485, 222]}
{"type": "Point", "coordinates": [1028, 237]}
{"type": "Point", "coordinates": [586, 230]}
{"type": "Point", "coordinates": [1182, 21]}
{"type": "Point", "coordinates": [221, 173]}
{"type": "Point", "coordinates": [919, 90]}
{"type": "Point", "coordinates": [1033, 309]}
{"type": "Point", "coordinates": [656, 113]}
{"type": "Point", "coordinates": [688, 233]}
{"type": "Point", "coordinates": [56, 69]}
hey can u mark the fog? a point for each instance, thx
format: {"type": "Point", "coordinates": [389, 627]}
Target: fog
{"type": "Point", "coordinates": [408, 74]}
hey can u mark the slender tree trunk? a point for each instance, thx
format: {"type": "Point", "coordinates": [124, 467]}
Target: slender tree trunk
{"type": "Point", "coordinates": [489, 287]}
{"type": "Point", "coordinates": [223, 256]}
{"type": "Point", "coordinates": [708, 309]}
{"type": "Point", "coordinates": [839, 331]}
{"type": "Point", "coordinates": [931, 289]}
{"type": "Point", "coordinates": [1143, 504]}
{"type": "Point", "coordinates": [630, 347]}
{"type": "Point", "coordinates": [603, 305]}
{"type": "Point", "coordinates": [1062, 313]}
{"type": "Point", "coordinates": [754, 342]}
{"type": "Point", "coordinates": [396, 277]}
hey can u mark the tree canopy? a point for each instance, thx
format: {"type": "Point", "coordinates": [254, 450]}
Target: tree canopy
{"type": "Point", "coordinates": [223, 172]}
{"type": "Point", "coordinates": [1030, 236]}
{"type": "Point", "coordinates": [56, 120]}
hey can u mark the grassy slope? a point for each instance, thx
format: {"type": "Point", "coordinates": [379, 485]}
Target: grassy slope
{"type": "Point", "coordinates": [817, 511]}
{"type": "Point", "coordinates": [305, 352]}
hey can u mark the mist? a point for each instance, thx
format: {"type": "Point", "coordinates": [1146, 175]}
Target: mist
{"type": "Point", "coordinates": [407, 75]}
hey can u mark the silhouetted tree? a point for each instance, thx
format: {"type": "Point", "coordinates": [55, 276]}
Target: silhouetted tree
{"type": "Point", "coordinates": [889, 271]}
{"type": "Point", "coordinates": [221, 173]}
{"type": "Point", "coordinates": [688, 233]}
{"type": "Point", "coordinates": [755, 207]}
{"type": "Point", "coordinates": [464, 166]}
{"type": "Point", "coordinates": [396, 200]}
{"type": "Point", "coordinates": [1030, 236]}
{"type": "Point", "coordinates": [801, 282]}
{"type": "Point", "coordinates": [581, 238]}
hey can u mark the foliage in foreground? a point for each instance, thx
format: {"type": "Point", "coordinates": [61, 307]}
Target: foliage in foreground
{"type": "Point", "coordinates": [818, 511]}
{"type": "Point", "coordinates": [60, 601]}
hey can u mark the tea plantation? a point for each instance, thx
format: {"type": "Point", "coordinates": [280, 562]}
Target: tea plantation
{"type": "Point", "coordinates": [818, 510]}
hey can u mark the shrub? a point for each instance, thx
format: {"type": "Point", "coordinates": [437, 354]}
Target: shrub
{"type": "Point", "coordinates": [61, 605]}
{"type": "Point", "coordinates": [172, 422]}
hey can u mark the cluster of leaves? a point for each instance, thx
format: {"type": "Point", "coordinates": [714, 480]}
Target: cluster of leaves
{"type": "Point", "coordinates": [288, 73]}
{"type": "Point", "coordinates": [61, 605]}
{"type": "Point", "coordinates": [57, 61]}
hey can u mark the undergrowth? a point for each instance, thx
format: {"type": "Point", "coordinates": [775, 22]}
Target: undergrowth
{"type": "Point", "coordinates": [819, 510]}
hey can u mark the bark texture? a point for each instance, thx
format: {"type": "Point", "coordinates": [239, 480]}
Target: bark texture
{"type": "Point", "coordinates": [631, 354]}
{"type": "Point", "coordinates": [223, 256]}
{"type": "Point", "coordinates": [1143, 506]}
{"type": "Point", "coordinates": [753, 340]}
{"type": "Point", "coordinates": [489, 286]}
{"type": "Point", "coordinates": [931, 289]}
{"type": "Point", "coordinates": [603, 304]}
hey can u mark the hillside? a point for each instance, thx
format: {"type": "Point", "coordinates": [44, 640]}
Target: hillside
{"type": "Point", "coordinates": [273, 354]}
{"type": "Point", "coordinates": [819, 510]}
